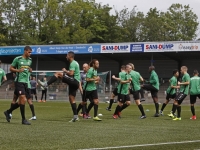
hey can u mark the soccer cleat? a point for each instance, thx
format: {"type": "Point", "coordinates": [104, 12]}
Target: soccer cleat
{"type": "Point", "coordinates": [43, 84]}
{"type": "Point", "coordinates": [161, 113]}
{"type": "Point", "coordinates": [193, 118]}
{"type": "Point", "coordinates": [96, 118]}
{"type": "Point", "coordinates": [108, 109]}
{"type": "Point", "coordinates": [25, 122]}
{"type": "Point", "coordinates": [33, 118]}
{"type": "Point", "coordinates": [85, 116]}
{"type": "Point", "coordinates": [142, 99]}
{"type": "Point", "coordinates": [115, 116]}
{"type": "Point", "coordinates": [171, 115]}
{"type": "Point", "coordinates": [156, 115]}
{"type": "Point", "coordinates": [119, 114]}
{"type": "Point", "coordinates": [88, 116]}
{"type": "Point", "coordinates": [177, 118]}
{"type": "Point", "coordinates": [10, 116]}
{"type": "Point", "coordinates": [7, 116]}
{"type": "Point", "coordinates": [74, 120]}
{"type": "Point", "coordinates": [142, 117]}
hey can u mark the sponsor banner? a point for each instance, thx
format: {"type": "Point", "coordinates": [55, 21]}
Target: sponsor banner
{"type": "Point", "coordinates": [188, 47]}
{"type": "Point", "coordinates": [115, 48]}
{"type": "Point", "coordinates": [64, 49]}
{"type": "Point", "coordinates": [159, 47]}
{"type": "Point", "coordinates": [52, 49]}
{"type": "Point", "coordinates": [137, 48]}
{"type": "Point", "coordinates": [11, 50]}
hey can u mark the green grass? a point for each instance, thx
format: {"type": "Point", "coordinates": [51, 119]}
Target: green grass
{"type": "Point", "coordinates": [52, 130]}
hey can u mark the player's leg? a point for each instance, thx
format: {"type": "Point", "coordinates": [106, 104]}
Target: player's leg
{"type": "Point", "coordinates": [138, 103]}
{"type": "Point", "coordinates": [72, 95]}
{"type": "Point", "coordinates": [165, 103]}
{"type": "Point", "coordinates": [118, 107]}
{"type": "Point", "coordinates": [192, 102]}
{"type": "Point", "coordinates": [14, 105]}
{"type": "Point", "coordinates": [179, 101]}
{"type": "Point", "coordinates": [35, 93]}
{"type": "Point", "coordinates": [22, 90]}
{"type": "Point", "coordinates": [141, 91]}
{"type": "Point", "coordinates": [94, 96]}
{"type": "Point", "coordinates": [89, 107]}
{"type": "Point", "coordinates": [30, 102]}
{"type": "Point", "coordinates": [43, 91]}
{"type": "Point", "coordinates": [45, 95]}
{"type": "Point", "coordinates": [114, 93]}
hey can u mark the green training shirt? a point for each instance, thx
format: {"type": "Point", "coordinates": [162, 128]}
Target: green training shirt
{"type": "Point", "coordinates": [20, 62]}
{"type": "Point", "coordinates": [124, 88]}
{"type": "Point", "coordinates": [154, 79]}
{"type": "Point", "coordinates": [91, 86]}
{"type": "Point", "coordinates": [135, 80]}
{"type": "Point", "coordinates": [75, 67]}
{"type": "Point", "coordinates": [173, 82]}
{"type": "Point", "coordinates": [2, 74]}
{"type": "Point", "coordinates": [185, 88]}
{"type": "Point", "coordinates": [195, 85]}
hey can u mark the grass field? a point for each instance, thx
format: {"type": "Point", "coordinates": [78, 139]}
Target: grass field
{"type": "Point", "coordinates": [52, 130]}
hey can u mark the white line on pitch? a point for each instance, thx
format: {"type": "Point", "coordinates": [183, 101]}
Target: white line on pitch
{"type": "Point", "coordinates": [142, 145]}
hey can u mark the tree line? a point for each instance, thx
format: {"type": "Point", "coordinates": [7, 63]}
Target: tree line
{"type": "Point", "coordinates": [38, 22]}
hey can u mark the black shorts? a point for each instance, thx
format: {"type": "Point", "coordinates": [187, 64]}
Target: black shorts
{"type": "Point", "coordinates": [169, 96]}
{"type": "Point", "coordinates": [27, 91]}
{"type": "Point", "coordinates": [33, 91]}
{"type": "Point", "coordinates": [21, 88]}
{"type": "Point", "coordinates": [28, 94]}
{"type": "Point", "coordinates": [180, 97]}
{"type": "Point", "coordinates": [72, 91]}
{"type": "Point", "coordinates": [152, 89]}
{"type": "Point", "coordinates": [115, 91]}
{"type": "Point", "coordinates": [91, 95]}
{"type": "Point", "coordinates": [130, 91]}
{"type": "Point", "coordinates": [73, 83]}
{"type": "Point", "coordinates": [136, 95]}
{"type": "Point", "coordinates": [123, 98]}
{"type": "Point", "coordinates": [193, 98]}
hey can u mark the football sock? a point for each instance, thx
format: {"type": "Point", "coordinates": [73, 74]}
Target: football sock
{"type": "Point", "coordinates": [179, 111]}
{"type": "Point", "coordinates": [32, 109]}
{"type": "Point", "coordinates": [79, 107]}
{"type": "Point", "coordinates": [111, 102]}
{"type": "Point", "coordinates": [193, 110]}
{"type": "Point", "coordinates": [163, 106]}
{"type": "Point", "coordinates": [22, 110]}
{"type": "Point", "coordinates": [52, 80]}
{"type": "Point", "coordinates": [73, 105]}
{"type": "Point", "coordinates": [90, 107]}
{"type": "Point", "coordinates": [174, 107]}
{"type": "Point", "coordinates": [117, 109]}
{"type": "Point", "coordinates": [123, 107]}
{"type": "Point", "coordinates": [35, 98]}
{"type": "Point", "coordinates": [141, 109]}
{"type": "Point", "coordinates": [13, 107]}
{"type": "Point", "coordinates": [157, 107]}
{"type": "Point", "coordinates": [95, 110]}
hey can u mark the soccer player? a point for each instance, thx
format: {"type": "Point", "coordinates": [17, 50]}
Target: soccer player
{"type": "Point", "coordinates": [90, 89]}
{"type": "Point", "coordinates": [135, 82]}
{"type": "Point", "coordinates": [2, 75]}
{"type": "Point", "coordinates": [33, 88]}
{"type": "Point", "coordinates": [194, 92]}
{"type": "Point", "coordinates": [83, 81]}
{"type": "Point", "coordinates": [70, 77]}
{"type": "Point", "coordinates": [44, 91]}
{"type": "Point", "coordinates": [153, 87]}
{"type": "Point", "coordinates": [114, 93]}
{"type": "Point", "coordinates": [15, 105]}
{"type": "Point", "coordinates": [141, 91]}
{"type": "Point", "coordinates": [21, 65]}
{"type": "Point", "coordinates": [184, 89]}
{"type": "Point", "coordinates": [123, 93]}
{"type": "Point", "coordinates": [171, 90]}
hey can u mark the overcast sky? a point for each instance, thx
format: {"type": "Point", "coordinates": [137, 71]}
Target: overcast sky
{"type": "Point", "coordinates": [145, 5]}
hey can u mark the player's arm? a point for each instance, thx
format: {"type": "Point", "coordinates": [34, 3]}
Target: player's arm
{"type": "Point", "coordinates": [173, 85]}
{"type": "Point", "coordinates": [185, 83]}
{"type": "Point", "coordinates": [14, 65]}
{"type": "Point", "coordinates": [4, 77]}
{"type": "Point", "coordinates": [126, 81]}
{"type": "Point", "coordinates": [80, 88]}
{"type": "Point", "coordinates": [115, 78]}
{"type": "Point", "coordinates": [153, 80]}
{"type": "Point", "coordinates": [68, 72]}
{"type": "Point", "coordinates": [89, 76]}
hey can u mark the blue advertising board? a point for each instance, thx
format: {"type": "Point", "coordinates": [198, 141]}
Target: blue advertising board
{"type": "Point", "coordinates": [64, 49]}
{"type": "Point", "coordinates": [137, 48]}
{"type": "Point", "coordinates": [52, 49]}
{"type": "Point", "coordinates": [15, 50]}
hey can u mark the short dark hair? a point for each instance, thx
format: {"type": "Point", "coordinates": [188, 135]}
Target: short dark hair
{"type": "Point", "coordinates": [26, 48]}
{"type": "Point", "coordinates": [175, 71]}
{"type": "Point", "coordinates": [195, 72]}
{"type": "Point", "coordinates": [71, 53]}
{"type": "Point", "coordinates": [152, 67]}
{"type": "Point", "coordinates": [123, 67]}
